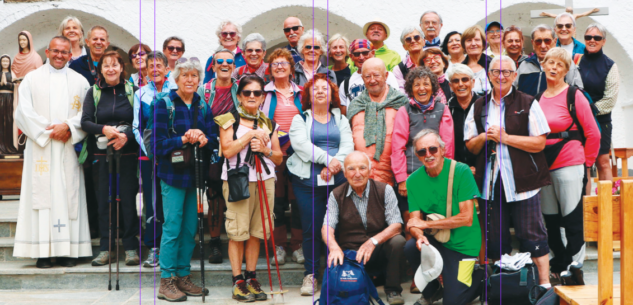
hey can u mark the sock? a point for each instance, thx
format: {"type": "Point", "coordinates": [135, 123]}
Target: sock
{"type": "Point", "coordinates": [250, 275]}
{"type": "Point", "coordinates": [237, 278]}
{"type": "Point", "coordinates": [214, 241]}
{"type": "Point", "coordinates": [546, 286]}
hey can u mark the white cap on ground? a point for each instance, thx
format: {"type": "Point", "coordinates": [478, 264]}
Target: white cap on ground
{"type": "Point", "coordinates": [431, 266]}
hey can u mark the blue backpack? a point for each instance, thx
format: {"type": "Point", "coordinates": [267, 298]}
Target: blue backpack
{"type": "Point", "coordinates": [348, 284]}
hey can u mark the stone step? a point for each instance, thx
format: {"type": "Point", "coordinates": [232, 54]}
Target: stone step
{"type": "Point", "coordinates": [23, 274]}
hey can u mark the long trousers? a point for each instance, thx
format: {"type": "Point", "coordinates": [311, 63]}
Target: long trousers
{"type": "Point", "coordinates": [179, 229]}
{"type": "Point", "coordinates": [153, 210]}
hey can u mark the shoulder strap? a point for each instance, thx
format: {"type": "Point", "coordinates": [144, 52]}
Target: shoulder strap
{"type": "Point", "coordinates": [129, 91]}
{"type": "Point", "coordinates": [346, 90]}
{"type": "Point", "coordinates": [207, 92]}
{"type": "Point", "coordinates": [171, 109]}
{"type": "Point", "coordinates": [96, 96]}
{"type": "Point", "coordinates": [404, 69]}
{"type": "Point", "coordinates": [449, 192]}
{"type": "Point", "coordinates": [577, 58]}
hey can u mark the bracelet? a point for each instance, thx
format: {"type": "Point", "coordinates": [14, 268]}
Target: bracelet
{"type": "Point", "coordinates": [270, 154]}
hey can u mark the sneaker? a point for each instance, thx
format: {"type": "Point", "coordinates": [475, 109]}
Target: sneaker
{"type": "Point", "coordinates": [102, 258]}
{"type": "Point", "coordinates": [256, 289]}
{"type": "Point", "coordinates": [241, 293]}
{"type": "Point", "coordinates": [281, 255]}
{"type": "Point", "coordinates": [152, 258]}
{"type": "Point", "coordinates": [576, 272]}
{"type": "Point", "coordinates": [422, 301]}
{"type": "Point", "coordinates": [185, 285]}
{"type": "Point", "coordinates": [414, 288]}
{"type": "Point", "coordinates": [298, 257]}
{"type": "Point", "coordinates": [131, 258]}
{"type": "Point", "coordinates": [216, 253]}
{"type": "Point", "coordinates": [395, 298]}
{"type": "Point", "coordinates": [169, 291]}
{"type": "Point", "coordinates": [309, 286]}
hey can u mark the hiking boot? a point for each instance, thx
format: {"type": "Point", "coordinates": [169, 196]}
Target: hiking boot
{"type": "Point", "coordinates": [256, 289]}
{"type": "Point", "coordinates": [152, 258]}
{"type": "Point", "coordinates": [298, 257]}
{"type": "Point", "coordinates": [102, 259]}
{"type": "Point", "coordinates": [241, 293]}
{"type": "Point", "coordinates": [422, 301]}
{"type": "Point", "coordinates": [281, 255]}
{"type": "Point", "coordinates": [131, 258]}
{"type": "Point", "coordinates": [576, 273]}
{"type": "Point", "coordinates": [185, 285]}
{"type": "Point", "coordinates": [67, 261]}
{"type": "Point", "coordinates": [414, 288]}
{"type": "Point", "coordinates": [169, 291]}
{"type": "Point", "coordinates": [309, 286]}
{"type": "Point", "coordinates": [395, 298]}
{"type": "Point", "coordinates": [216, 252]}
{"type": "Point", "coordinates": [438, 295]}
{"type": "Point", "coordinates": [44, 262]}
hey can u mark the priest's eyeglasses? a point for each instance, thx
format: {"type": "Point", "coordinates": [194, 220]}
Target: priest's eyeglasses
{"type": "Point", "coordinates": [55, 52]}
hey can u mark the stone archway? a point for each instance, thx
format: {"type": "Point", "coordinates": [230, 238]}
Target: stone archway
{"type": "Point", "coordinates": [270, 24]}
{"type": "Point", "coordinates": [520, 16]}
{"type": "Point", "coordinates": [43, 25]}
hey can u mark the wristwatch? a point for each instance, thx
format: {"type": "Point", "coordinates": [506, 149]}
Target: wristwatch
{"type": "Point", "coordinates": [375, 242]}
{"type": "Point", "coordinates": [270, 154]}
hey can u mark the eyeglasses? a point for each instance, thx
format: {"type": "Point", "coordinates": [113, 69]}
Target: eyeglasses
{"type": "Point", "coordinates": [228, 34]}
{"type": "Point", "coordinates": [258, 51]}
{"type": "Point", "coordinates": [430, 22]}
{"type": "Point", "coordinates": [455, 81]}
{"type": "Point", "coordinates": [183, 60]}
{"type": "Point", "coordinates": [309, 47]}
{"type": "Point", "coordinates": [256, 93]}
{"type": "Point", "coordinates": [139, 54]}
{"type": "Point", "coordinates": [370, 76]}
{"type": "Point", "coordinates": [422, 152]}
{"type": "Point", "coordinates": [539, 41]}
{"type": "Point", "coordinates": [496, 72]}
{"type": "Point", "coordinates": [566, 25]}
{"type": "Point", "coordinates": [429, 59]}
{"type": "Point", "coordinates": [55, 52]}
{"type": "Point", "coordinates": [411, 38]}
{"type": "Point", "coordinates": [594, 37]}
{"type": "Point", "coordinates": [178, 49]}
{"type": "Point", "coordinates": [221, 61]}
{"type": "Point", "coordinates": [495, 32]}
{"type": "Point", "coordinates": [359, 53]}
{"type": "Point", "coordinates": [294, 29]}
{"type": "Point", "coordinates": [280, 64]}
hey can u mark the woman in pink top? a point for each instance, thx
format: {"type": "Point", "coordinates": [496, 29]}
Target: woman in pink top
{"type": "Point", "coordinates": [568, 155]}
{"type": "Point", "coordinates": [283, 102]}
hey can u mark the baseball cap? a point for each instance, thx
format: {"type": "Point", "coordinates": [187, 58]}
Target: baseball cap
{"type": "Point", "coordinates": [431, 265]}
{"type": "Point", "coordinates": [497, 23]}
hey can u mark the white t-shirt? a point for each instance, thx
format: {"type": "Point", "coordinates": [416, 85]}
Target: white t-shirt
{"type": "Point", "coordinates": [569, 48]}
{"type": "Point", "coordinates": [357, 85]}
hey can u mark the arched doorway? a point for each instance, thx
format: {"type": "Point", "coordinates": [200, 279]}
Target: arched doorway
{"type": "Point", "coordinates": [43, 25]}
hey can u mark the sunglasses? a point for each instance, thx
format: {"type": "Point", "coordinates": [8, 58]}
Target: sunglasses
{"type": "Point", "coordinates": [411, 38]}
{"type": "Point", "coordinates": [221, 61]}
{"type": "Point", "coordinates": [294, 29]}
{"type": "Point", "coordinates": [178, 49]}
{"type": "Point", "coordinates": [228, 34]}
{"type": "Point", "coordinates": [258, 51]}
{"type": "Point", "coordinates": [183, 60]}
{"type": "Point", "coordinates": [590, 37]}
{"type": "Point", "coordinates": [139, 54]}
{"type": "Point", "coordinates": [422, 152]}
{"type": "Point", "coordinates": [358, 54]}
{"type": "Point", "coordinates": [309, 47]}
{"type": "Point", "coordinates": [566, 25]}
{"type": "Point", "coordinates": [256, 93]}
{"type": "Point", "coordinates": [456, 81]}
{"type": "Point", "coordinates": [540, 41]}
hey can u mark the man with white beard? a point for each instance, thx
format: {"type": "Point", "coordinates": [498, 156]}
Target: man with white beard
{"type": "Point", "coordinates": [52, 218]}
{"type": "Point", "coordinates": [293, 29]}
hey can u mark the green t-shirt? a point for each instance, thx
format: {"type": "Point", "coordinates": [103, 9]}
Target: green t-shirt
{"type": "Point", "coordinates": [390, 57]}
{"type": "Point", "coordinates": [428, 195]}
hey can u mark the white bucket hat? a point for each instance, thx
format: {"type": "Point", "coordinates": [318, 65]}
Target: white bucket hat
{"type": "Point", "coordinates": [431, 266]}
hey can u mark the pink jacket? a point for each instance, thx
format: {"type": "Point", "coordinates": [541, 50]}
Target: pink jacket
{"type": "Point", "coordinates": [401, 135]}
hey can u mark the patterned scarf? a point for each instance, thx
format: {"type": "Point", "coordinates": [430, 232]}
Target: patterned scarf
{"type": "Point", "coordinates": [375, 126]}
{"type": "Point", "coordinates": [260, 117]}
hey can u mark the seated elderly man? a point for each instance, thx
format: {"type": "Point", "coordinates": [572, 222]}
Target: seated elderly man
{"type": "Point", "coordinates": [511, 167]}
{"type": "Point", "coordinates": [364, 213]}
{"type": "Point", "coordinates": [428, 193]}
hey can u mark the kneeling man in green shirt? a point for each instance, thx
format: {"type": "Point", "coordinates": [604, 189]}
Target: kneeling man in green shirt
{"type": "Point", "coordinates": [429, 194]}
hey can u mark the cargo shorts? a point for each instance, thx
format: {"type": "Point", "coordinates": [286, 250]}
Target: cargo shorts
{"type": "Point", "coordinates": [244, 218]}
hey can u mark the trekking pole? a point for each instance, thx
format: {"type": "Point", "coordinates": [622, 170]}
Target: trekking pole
{"type": "Point", "coordinates": [261, 210]}
{"type": "Point", "coordinates": [109, 153]}
{"type": "Point", "coordinates": [199, 191]}
{"type": "Point", "coordinates": [117, 158]}
{"type": "Point", "coordinates": [258, 162]}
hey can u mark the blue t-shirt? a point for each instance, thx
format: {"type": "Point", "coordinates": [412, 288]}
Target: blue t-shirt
{"type": "Point", "coordinates": [327, 137]}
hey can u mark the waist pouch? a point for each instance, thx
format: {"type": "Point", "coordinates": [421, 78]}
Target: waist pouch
{"type": "Point", "coordinates": [181, 158]}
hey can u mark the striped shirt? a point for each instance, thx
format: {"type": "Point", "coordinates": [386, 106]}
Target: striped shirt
{"type": "Point", "coordinates": [537, 125]}
{"type": "Point", "coordinates": [392, 213]}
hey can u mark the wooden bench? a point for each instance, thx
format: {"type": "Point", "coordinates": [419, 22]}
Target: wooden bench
{"type": "Point", "coordinates": [624, 154]}
{"type": "Point", "coordinates": [607, 218]}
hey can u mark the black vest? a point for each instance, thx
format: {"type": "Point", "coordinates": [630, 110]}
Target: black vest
{"type": "Point", "coordinates": [418, 121]}
{"type": "Point", "coordinates": [594, 69]}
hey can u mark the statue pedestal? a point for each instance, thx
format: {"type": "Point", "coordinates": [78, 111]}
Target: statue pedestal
{"type": "Point", "coordinates": [11, 174]}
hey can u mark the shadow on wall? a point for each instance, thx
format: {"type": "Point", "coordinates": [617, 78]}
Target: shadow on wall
{"type": "Point", "coordinates": [43, 25]}
{"type": "Point", "coordinates": [270, 24]}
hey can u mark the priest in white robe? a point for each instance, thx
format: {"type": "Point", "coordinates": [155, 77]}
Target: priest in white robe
{"type": "Point", "coordinates": [52, 218]}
